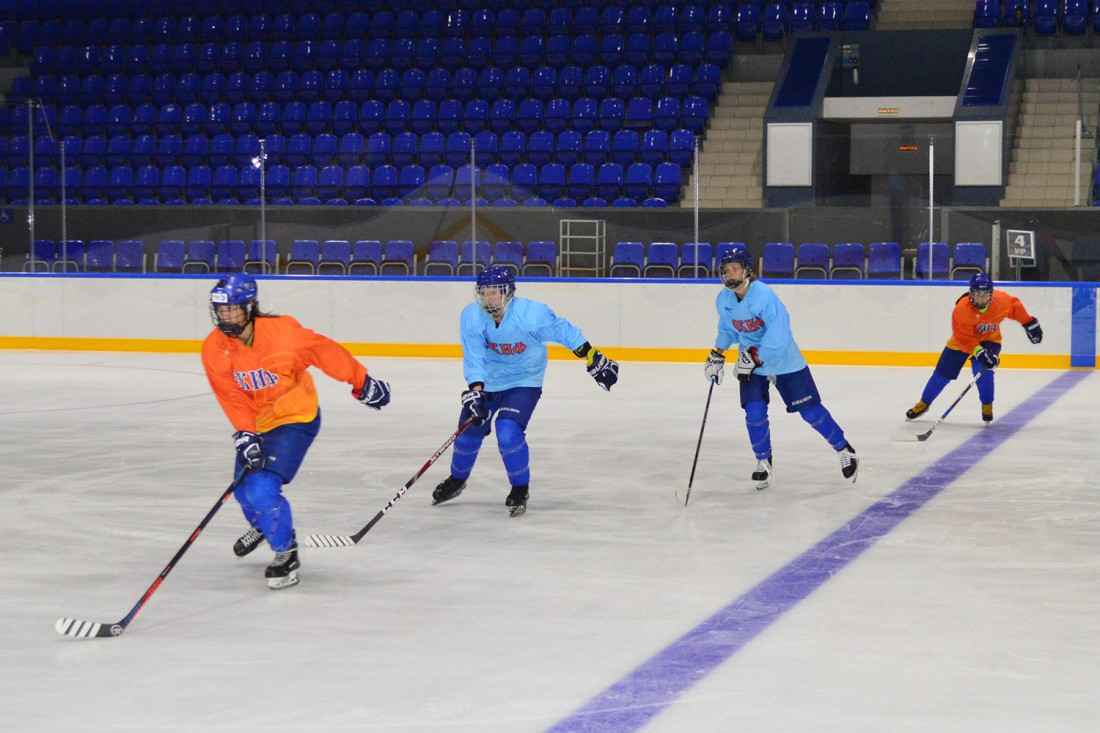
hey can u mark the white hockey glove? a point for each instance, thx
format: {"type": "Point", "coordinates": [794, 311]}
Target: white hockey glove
{"type": "Point", "coordinates": [715, 366]}
{"type": "Point", "coordinates": [746, 364]}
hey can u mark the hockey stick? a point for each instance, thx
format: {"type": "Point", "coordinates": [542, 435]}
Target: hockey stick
{"type": "Point", "coordinates": [695, 462]}
{"type": "Point", "coordinates": [339, 540]}
{"type": "Point", "coordinates": [910, 438]}
{"type": "Point", "coordinates": [88, 629]}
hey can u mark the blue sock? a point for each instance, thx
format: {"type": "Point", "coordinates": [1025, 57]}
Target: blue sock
{"type": "Point", "coordinates": [822, 421]}
{"type": "Point", "coordinates": [512, 442]}
{"type": "Point", "coordinates": [760, 434]}
{"type": "Point", "coordinates": [464, 453]}
{"type": "Point", "coordinates": [985, 386]}
{"type": "Point", "coordinates": [271, 511]}
{"type": "Point", "coordinates": [932, 390]}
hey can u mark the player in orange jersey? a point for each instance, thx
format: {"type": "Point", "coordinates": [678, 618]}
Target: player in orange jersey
{"type": "Point", "coordinates": [257, 365]}
{"type": "Point", "coordinates": [976, 334]}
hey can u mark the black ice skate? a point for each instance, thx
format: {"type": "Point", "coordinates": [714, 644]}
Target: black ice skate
{"type": "Point", "coordinates": [283, 570]}
{"type": "Point", "coordinates": [517, 500]}
{"type": "Point", "coordinates": [448, 489]}
{"type": "Point", "coordinates": [987, 413]}
{"type": "Point", "coordinates": [763, 474]}
{"type": "Point", "coordinates": [916, 411]}
{"type": "Point", "coordinates": [849, 463]}
{"type": "Point", "coordinates": [248, 542]}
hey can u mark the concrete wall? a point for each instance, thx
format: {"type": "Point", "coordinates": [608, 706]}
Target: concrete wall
{"type": "Point", "coordinates": [855, 323]}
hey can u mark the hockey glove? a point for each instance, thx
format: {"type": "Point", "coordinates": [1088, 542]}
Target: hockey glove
{"type": "Point", "coordinates": [375, 393]}
{"type": "Point", "coordinates": [474, 407]}
{"type": "Point", "coordinates": [605, 371]}
{"type": "Point", "coordinates": [715, 368]}
{"type": "Point", "coordinates": [746, 364]}
{"type": "Point", "coordinates": [249, 453]}
{"type": "Point", "coordinates": [986, 357]}
{"type": "Point", "coordinates": [1034, 333]}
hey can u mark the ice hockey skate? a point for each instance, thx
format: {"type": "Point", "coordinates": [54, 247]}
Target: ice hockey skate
{"type": "Point", "coordinates": [987, 413]}
{"type": "Point", "coordinates": [849, 463]}
{"type": "Point", "coordinates": [763, 474]}
{"type": "Point", "coordinates": [283, 570]}
{"type": "Point", "coordinates": [448, 489]}
{"type": "Point", "coordinates": [916, 411]}
{"type": "Point", "coordinates": [248, 542]}
{"type": "Point", "coordinates": [517, 501]}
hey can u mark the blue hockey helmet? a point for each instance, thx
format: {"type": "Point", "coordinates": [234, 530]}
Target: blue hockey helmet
{"type": "Point", "coordinates": [736, 253]}
{"type": "Point", "coordinates": [494, 290]}
{"type": "Point", "coordinates": [981, 290]}
{"type": "Point", "coordinates": [236, 289]}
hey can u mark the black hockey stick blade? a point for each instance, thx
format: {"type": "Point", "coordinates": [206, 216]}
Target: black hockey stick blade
{"type": "Point", "coordinates": [341, 540]}
{"type": "Point", "coordinates": [90, 630]}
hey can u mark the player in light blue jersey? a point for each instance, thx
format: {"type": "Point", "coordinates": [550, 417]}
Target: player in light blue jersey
{"type": "Point", "coordinates": [504, 362]}
{"type": "Point", "coordinates": [751, 316]}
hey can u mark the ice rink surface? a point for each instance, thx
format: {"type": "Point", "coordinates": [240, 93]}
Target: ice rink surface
{"type": "Point", "coordinates": [954, 587]}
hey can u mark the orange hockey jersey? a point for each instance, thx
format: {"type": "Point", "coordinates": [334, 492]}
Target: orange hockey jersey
{"type": "Point", "coordinates": [970, 326]}
{"type": "Point", "coordinates": [266, 384]}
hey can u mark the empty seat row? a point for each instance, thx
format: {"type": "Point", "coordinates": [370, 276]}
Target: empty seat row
{"type": "Point", "coordinates": [882, 260]}
{"type": "Point", "coordinates": [403, 24]}
{"type": "Point", "coordinates": [303, 256]}
{"type": "Point", "coordinates": [379, 53]}
{"type": "Point", "coordinates": [201, 183]}
{"type": "Point", "coordinates": [1044, 17]}
{"type": "Point", "coordinates": [432, 148]}
{"type": "Point", "coordinates": [491, 83]}
{"type": "Point", "coordinates": [611, 114]}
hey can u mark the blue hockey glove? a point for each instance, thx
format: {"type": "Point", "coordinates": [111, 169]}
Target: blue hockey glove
{"type": "Point", "coordinates": [605, 371]}
{"type": "Point", "coordinates": [986, 357]}
{"type": "Point", "coordinates": [1034, 333]}
{"type": "Point", "coordinates": [474, 407]}
{"type": "Point", "coordinates": [375, 393]}
{"type": "Point", "coordinates": [249, 452]}
{"type": "Point", "coordinates": [746, 364]}
{"type": "Point", "coordinates": [715, 368]}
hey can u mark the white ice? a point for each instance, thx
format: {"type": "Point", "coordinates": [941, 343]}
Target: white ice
{"type": "Point", "coordinates": [980, 612]}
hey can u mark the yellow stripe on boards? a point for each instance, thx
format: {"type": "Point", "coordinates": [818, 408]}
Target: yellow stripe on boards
{"type": "Point", "coordinates": [454, 351]}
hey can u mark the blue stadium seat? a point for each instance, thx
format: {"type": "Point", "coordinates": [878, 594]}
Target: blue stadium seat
{"type": "Point", "coordinates": [335, 257]}
{"type": "Point", "coordinates": [941, 261]}
{"type": "Point", "coordinates": [99, 256]}
{"type": "Point", "coordinates": [884, 261]}
{"type": "Point", "coordinates": [803, 18]}
{"type": "Point", "coordinates": [199, 256]}
{"type": "Point", "coordinates": [696, 260]}
{"type": "Point", "coordinates": [473, 257]}
{"type": "Point", "coordinates": [230, 256]}
{"type": "Point", "coordinates": [303, 258]}
{"type": "Point", "coordinates": [508, 254]}
{"type": "Point", "coordinates": [638, 182]}
{"type": "Point", "coordinates": [625, 147]}
{"type": "Point", "coordinates": [627, 259]}
{"type": "Point", "coordinates": [398, 257]}
{"type": "Point", "coordinates": [199, 181]}
{"type": "Point", "coordinates": [849, 260]}
{"type": "Point", "coordinates": [662, 260]}
{"type": "Point", "coordinates": [812, 261]}
{"type": "Point", "coordinates": [366, 257]}
{"type": "Point", "coordinates": [541, 259]}
{"type": "Point", "coordinates": [383, 182]}
{"type": "Point", "coordinates": [667, 182]}
{"type": "Point", "coordinates": [581, 181]}
{"type": "Point", "coordinates": [609, 180]}
{"type": "Point", "coordinates": [442, 258]}
{"type": "Point", "coordinates": [777, 260]}
{"type": "Point", "coordinates": [654, 150]}
{"type": "Point", "coordinates": [551, 181]}
{"type": "Point", "coordinates": [967, 259]}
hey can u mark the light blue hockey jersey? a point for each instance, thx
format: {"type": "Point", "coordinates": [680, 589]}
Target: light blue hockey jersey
{"type": "Point", "coordinates": [512, 354]}
{"type": "Point", "coordinates": [759, 320]}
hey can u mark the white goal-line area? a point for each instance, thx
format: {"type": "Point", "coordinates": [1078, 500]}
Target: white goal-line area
{"type": "Point", "coordinates": [977, 611]}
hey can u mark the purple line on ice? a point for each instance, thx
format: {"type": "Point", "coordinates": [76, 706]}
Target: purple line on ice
{"type": "Point", "coordinates": [630, 703]}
